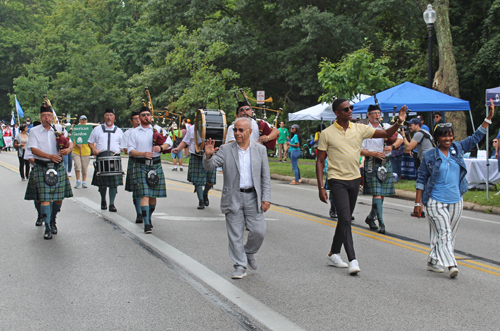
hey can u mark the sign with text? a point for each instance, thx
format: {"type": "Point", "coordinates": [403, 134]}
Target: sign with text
{"type": "Point", "coordinates": [261, 96]}
{"type": "Point", "coordinates": [81, 134]}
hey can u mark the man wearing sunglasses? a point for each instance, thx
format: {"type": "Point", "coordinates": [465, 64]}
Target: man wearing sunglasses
{"type": "Point", "coordinates": [378, 168]}
{"type": "Point", "coordinates": [261, 132]}
{"type": "Point", "coordinates": [438, 118]}
{"type": "Point", "coordinates": [342, 141]}
{"type": "Point", "coordinates": [246, 194]}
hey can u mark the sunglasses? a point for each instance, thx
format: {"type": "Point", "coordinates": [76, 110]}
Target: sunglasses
{"type": "Point", "coordinates": [444, 125]}
{"type": "Point", "coordinates": [245, 109]}
{"type": "Point", "coordinates": [145, 114]}
{"type": "Point", "coordinates": [346, 109]}
{"type": "Point", "coordinates": [436, 116]}
{"type": "Point", "coordinates": [240, 130]}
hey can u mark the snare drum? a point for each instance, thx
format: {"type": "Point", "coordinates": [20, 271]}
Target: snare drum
{"type": "Point", "coordinates": [209, 123]}
{"type": "Point", "coordinates": [108, 165]}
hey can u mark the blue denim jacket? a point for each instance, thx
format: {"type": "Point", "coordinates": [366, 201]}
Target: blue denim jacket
{"type": "Point", "coordinates": [429, 168]}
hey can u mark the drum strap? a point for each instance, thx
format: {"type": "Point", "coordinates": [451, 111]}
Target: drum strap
{"type": "Point", "coordinates": [109, 134]}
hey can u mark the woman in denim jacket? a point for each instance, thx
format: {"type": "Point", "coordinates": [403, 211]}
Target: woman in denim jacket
{"type": "Point", "coordinates": [440, 185]}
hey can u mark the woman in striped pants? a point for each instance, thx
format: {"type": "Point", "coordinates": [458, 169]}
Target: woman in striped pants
{"type": "Point", "coordinates": [440, 185]}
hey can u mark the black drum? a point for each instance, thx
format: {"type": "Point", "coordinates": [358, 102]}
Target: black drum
{"type": "Point", "coordinates": [108, 164]}
{"type": "Point", "coordinates": [209, 123]}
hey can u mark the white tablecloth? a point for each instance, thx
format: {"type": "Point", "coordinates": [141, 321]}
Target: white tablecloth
{"type": "Point", "coordinates": [476, 172]}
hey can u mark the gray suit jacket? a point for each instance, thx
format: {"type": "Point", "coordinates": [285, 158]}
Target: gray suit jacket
{"type": "Point", "coordinates": [227, 157]}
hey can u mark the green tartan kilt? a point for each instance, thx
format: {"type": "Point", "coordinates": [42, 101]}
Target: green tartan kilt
{"type": "Point", "coordinates": [141, 187]}
{"type": "Point", "coordinates": [39, 191]}
{"type": "Point", "coordinates": [374, 187]}
{"type": "Point", "coordinates": [129, 180]}
{"type": "Point", "coordinates": [197, 174]}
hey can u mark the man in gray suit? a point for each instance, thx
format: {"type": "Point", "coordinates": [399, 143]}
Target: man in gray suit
{"type": "Point", "coordinates": [246, 194]}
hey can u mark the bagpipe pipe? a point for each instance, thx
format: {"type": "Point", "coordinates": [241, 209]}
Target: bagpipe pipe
{"type": "Point", "coordinates": [264, 127]}
{"type": "Point", "coordinates": [61, 140]}
{"type": "Point", "coordinates": [392, 139]}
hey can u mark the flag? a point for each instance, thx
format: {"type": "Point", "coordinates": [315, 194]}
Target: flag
{"type": "Point", "coordinates": [12, 120]}
{"type": "Point", "coordinates": [19, 109]}
{"type": "Point", "coordinates": [56, 120]}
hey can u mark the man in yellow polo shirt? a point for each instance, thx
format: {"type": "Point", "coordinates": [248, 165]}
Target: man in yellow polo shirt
{"type": "Point", "coordinates": [342, 142]}
{"type": "Point", "coordinates": [81, 158]}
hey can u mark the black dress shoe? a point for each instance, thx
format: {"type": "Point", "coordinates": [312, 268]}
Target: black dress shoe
{"type": "Point", "coordinates": [382, 229]}
{"type": "Point", "coordinates": [47, 235]}
{"type": "Point", "coordinates": [53, 228]}
{"type": "Point", "coordinates": [139, 219]}
{"type": "Point", "coordinates": [147, 228]}
{"type": "Point", "coordinates": [39, 221]}
{"type": "Point", "coordinates": [371, 224]}
{"type": "Point", "coordinates": [201, 205]}
{"type": "Point", "coordinates": [205, 200]}
{"type": "Point", "coordinates": [112, 208]}
{"type": "Point", "coordinates": [333, 214]}
{"type": "Point", "coordinates": [104, 205]}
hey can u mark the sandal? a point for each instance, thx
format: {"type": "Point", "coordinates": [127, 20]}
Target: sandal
{"type": "Point", "coordinates": [294, 183]}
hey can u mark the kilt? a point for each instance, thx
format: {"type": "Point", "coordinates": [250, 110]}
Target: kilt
{"type": "Point", "coordinates": [141, 187]}
{"type": "Point", "coordinates": [39, 191]}
{"type": "Point", "coordinates": [129, 180]}
{"type": "Point", "coordinates": [374, 187]}
{"type": "Point", "coordinates": [197, 174]}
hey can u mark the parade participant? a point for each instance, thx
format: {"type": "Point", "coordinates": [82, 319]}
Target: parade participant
{"type": "Point", "coordinates": [261, 132]}
{"type": "Point", "coordinates": [129, 180]}
{"type": "Point", "coordinates": [342, 141]}
{"type": "Point", "coordinates": [246, 194]}
{"type": "Point", "coordinates": [441, 183]}
{"type": "Point", "coordinates": [7, 137]}
{"type": "Point", "coordinates": [378, 168]}
{"type": "Point", "coordinates": [177, 134]}
{"type": "Point", "coordinates": [106, 138]}
{"type": "Point", "coordinates": [20, 144]}
{"type": "Point", "coordinates": [295, 143]}
{"type": "Point", "coordinates": [283, 136]}
{"type": "Point", "coordinates": [422, 141]}
{"type": "Point", "coordinates": [81, 158]}
{"type": "Point", "coordinates": [149, 180]}
{"type": "Point", "coordinates": [196, 173]}
{"type": "Point", "coordinates": [49, 181]}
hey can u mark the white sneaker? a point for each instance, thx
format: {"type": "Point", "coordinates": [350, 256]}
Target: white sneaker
{"type": "Point", "coordinates": [354, 267]}
{"type": "Point", "coordinates": [336, 261]}
{"type": "Point", "coordinates": [77, 184]}
{"type": "Point", "coordinates": [453, 272]}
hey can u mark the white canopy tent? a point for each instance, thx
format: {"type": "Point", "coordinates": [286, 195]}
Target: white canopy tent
{"type": "Point", "coordinates": [321, 112]}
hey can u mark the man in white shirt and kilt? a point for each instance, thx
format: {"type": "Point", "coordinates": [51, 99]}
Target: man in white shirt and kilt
{"type": "Point", "coordinates": [196, 173]}
{"type": "Point", "coordinates": [49, 182]}
{"type": "Point", "coordinates": [129, 180]}
{"type": "Point", "coordinates": [106, 139]}
{"type": "Point", "coordinates": [149, 179]}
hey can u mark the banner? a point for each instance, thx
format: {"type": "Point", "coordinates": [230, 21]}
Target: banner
{"type": "Point", "coordinates": [81, 134]}
{"type": "Point", "coordinates": [12, 120]}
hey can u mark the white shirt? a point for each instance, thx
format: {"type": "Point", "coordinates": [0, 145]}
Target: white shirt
{"type": "Point", "coordinates": [141, 140]}
{"type": "Point", "coordinates": [125, 139]}
{"type": "Point", "coordinates": [43, 140]}
{"type": "Point", "coordinates": [377, 144]}
{"type": "Point", "coordinates": [253, 137]}
{"type": "Point", "coordinates": [189, 139]}
{"type": "Point", "coordinates": [244, 158]}
{"type": "Point", "coordinates": [100, 138]}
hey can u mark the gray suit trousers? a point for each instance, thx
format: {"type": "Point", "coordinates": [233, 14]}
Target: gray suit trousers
{"type": "Point", "coordinates": [235, 223]}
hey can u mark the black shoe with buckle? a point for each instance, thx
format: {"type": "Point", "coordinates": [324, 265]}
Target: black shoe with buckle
{"type": "Point", "coordinates": [112, 208]}
{"type": "Point", "coordinates": [47, 235]}
{"type": "Point", "coordinates": [371, 223]}
{"type": "Point", "coordinates": [139, 219]}
{"type": "Point", "coordinates": [39, 221]}
{"type": "Point", "coordinates": [104, 205]}
{"type": "Point", "coordinates": [205, 199]}
{"type": "Point", "coordinates": [147, 228]}
{"type": "Point", "coordinates": [53, 227]}
{"type": "Point", "coordinates": [201, 205]}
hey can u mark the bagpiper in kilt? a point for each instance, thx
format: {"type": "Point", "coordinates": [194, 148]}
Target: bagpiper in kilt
{"type": "Point", "coordinates": [129, 183]}
{"type": "Point", "coordinates": [48, 183]}
{"type": "Point", "coordinates": [149, 179]}
{"type": "Point", "coordinates": [378, 180]}
{"type": "Point", "coordinates": [196, 173]}
{"type": "Point", "coordinates": [105, 140]}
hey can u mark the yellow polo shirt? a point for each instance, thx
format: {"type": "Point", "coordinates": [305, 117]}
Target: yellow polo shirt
{"type": "Point", "coordinates": [344, 148]}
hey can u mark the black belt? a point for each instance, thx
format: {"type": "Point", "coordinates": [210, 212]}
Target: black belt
{"type": "Point", "coordinates": [247, 190]}
{"type": "Point", "coordinates": [145, 161]}
{"type": "Point", "coordinates": [47, 163]}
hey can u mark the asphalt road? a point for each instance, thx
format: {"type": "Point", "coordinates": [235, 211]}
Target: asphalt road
{"type": "Point", "coordinates": [101, 272]}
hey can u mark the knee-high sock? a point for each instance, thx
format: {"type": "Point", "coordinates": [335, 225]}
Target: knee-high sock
{"type": "Point", "coordinates": [46, 215]}
{"type": "Point", "coordinates": [199, 191]}
{"type": "Point", "coordinates": [380, 210]}
{"type": "Point", "coordinates": [112, 195]}
{"type": "Point", "coordinates": [137, 204]}
{"type": "Point", "coordinates": [151, 210]}
{"type": "Point", "coordinates": [55, 209]}
{"type": "Point", "coordinates": [373, 212]}
{"type": "Point", "coordinates": [102, 191]}
{"type": "Point", "coordinates": [38, 204]}
{"type": "Point", "coordinates": [145, 214]}
{"type": "Point", "coordinates": [207, 188]}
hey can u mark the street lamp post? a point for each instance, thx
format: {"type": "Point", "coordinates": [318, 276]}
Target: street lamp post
{"type": "Point", "coordinates": [430, 18]}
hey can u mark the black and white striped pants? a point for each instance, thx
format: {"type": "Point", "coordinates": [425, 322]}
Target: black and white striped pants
{"type": "Point", "coordinates": [443, 223]}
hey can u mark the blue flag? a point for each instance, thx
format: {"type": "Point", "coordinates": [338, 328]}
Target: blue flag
{"type": "Point", "coordinates": [19, 109]}
{"type": "Point", "coordinates": [12, 120]}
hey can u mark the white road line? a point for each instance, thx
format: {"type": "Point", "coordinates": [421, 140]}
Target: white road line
{"type": "Point", "coordinates": [245, 301]}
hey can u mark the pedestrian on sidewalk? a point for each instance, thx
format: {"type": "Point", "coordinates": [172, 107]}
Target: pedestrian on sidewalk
{"type": "Point", "coordinates": [295, 144]}
{"type": "Point", "coordinates": [441, 183]}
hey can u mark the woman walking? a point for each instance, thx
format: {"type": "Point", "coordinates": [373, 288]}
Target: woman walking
{"type": "Point", "coordinates": [20, 142]}
{"type": "Point", "coordinates": [440, 185]}
{"type": "Point", "coordinates": [295, 144]}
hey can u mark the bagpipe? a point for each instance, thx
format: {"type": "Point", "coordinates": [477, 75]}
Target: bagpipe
{"type": "Point", "coordinates": [61, 140]}
{"type": "Point", "coordinates": [392, 139]}
{"type": "Point", "coordinates": [264, 128]}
